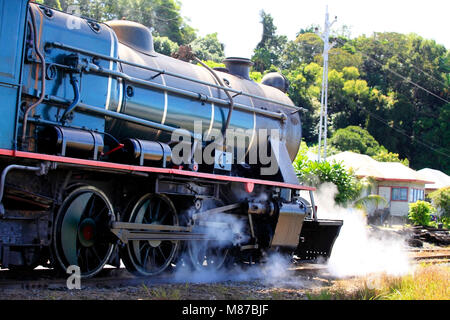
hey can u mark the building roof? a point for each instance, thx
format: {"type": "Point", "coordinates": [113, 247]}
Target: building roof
{"type": "Point", "coordinates": [440, 179]}
{"type": "Point", "coordinates": [365, 166]}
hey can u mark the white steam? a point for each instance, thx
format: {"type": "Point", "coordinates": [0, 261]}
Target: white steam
{"type": "Point", "coordinates": [358, 252]}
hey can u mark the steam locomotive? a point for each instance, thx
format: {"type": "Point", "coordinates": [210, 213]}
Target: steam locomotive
{"type": "Point", "coordinates": [112, 152]}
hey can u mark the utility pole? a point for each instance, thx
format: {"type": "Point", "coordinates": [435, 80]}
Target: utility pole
{"type": "Point", "coordinates": [323, 125]}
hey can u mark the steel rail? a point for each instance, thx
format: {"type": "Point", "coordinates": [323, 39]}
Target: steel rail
{"type": "Point", "coordinates": [159, 71]}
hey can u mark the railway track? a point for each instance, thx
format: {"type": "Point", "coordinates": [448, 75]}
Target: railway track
{"type": "Point", "coordinates": [430, 255]}
{"type": "Point", "coordinates": [113, 277]}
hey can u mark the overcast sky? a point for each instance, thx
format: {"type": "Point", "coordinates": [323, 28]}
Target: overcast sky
{"type": "Point", "coordinates": [238, 22]}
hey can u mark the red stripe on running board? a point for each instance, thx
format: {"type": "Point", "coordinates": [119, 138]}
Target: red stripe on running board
{"type": "Point", "coordinates": [109, 165]}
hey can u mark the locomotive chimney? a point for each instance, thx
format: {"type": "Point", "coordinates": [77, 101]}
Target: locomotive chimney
{"type": "Point", "coordinates": [239, 66]}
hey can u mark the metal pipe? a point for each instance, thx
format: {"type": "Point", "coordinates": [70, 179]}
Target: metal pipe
{"type": "Point", "coordinates": [231, 106]}
{"type": "Point", "coordinates": [90, 67]}
{"type": "Point", "coordinates": [313, 206]}
{"type": "Point", "coordinates": [116, 115]}
{"type": "Point", "coordinates": [3, 181]}
{"type": "Point", "coordinates": [105, 57]}
{"type": "Point", "coordinates": [43, 75]}
{"type": "Point", "coordinates": [76, 100]}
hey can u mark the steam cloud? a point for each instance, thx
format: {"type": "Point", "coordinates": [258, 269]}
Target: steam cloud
{"type": "Point", "coordinates": [358, 252]}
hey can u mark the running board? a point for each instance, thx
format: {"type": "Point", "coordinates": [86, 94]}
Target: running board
{"type": "Point", "coordinates": [152, 232]}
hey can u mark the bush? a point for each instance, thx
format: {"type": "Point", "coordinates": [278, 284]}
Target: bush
{"type": "Point", "coordinates": [420, 213]}
{"type": "Point", "coordinates": [441, 200]}
{"type": "Point", "coordinates": [317, 173]}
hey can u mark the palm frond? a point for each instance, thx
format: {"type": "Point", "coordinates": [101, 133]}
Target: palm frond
{"type": "Point", "coordinates": [364, 202]}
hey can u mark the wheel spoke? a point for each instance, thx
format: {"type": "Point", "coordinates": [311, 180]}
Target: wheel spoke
{"type": "Point", "coordinates": [91, 207]}
{"type": "Point", "coordinates": [157, 210]}
{"type": "Point", "coordinates": [161, 221]}
{"type": "Point", "coordinates": [149, 209]}
{"type": "Point", "coordinates": [97, 215]}
{"type": "Point", "coordinates": [87, 259]}
{"type": "Point", "coordinates": [145, 262]}
{"type": "Point", "coordinates": [153, 257]}
{"type": "Point", "coordinates": [96, 254]}
{"type": "Point", "coordinates": [162, 253]}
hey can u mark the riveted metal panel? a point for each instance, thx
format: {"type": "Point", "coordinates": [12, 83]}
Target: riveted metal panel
{"type": "Point", "coordinates": [12, 24]}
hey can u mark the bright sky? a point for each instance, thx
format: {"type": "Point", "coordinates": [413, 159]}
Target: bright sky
{"type": "Point", "coordinates": [238, 22]}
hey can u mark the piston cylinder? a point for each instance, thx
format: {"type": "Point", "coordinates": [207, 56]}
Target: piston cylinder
{"type": "Point", "coordinates": [72, 142]}
{"type": "Point", "coordinates": [143, 150]}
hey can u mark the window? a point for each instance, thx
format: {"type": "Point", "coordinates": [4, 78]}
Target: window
{"type": "Point", "coordinates": [417, 194]}
{"type": "Point", "coordinates": [399, 194]}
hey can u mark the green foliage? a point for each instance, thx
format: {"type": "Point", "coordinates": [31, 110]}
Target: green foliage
{"type": "Point", "coordinates": [213, 64]}
{"type": "Point", "coordinates": [317, 173]}
{"type": "Point", "coordinates": [256, 76]}
{"type": "Point", "coordinates": [209, 48]}
{"type": "Point", "coordinates": [420, 213]}
{"type": "Point", "coordinates": [359, 140]}
{"type": "Point", "coordinates": [355, 139]}
{"type": "Point", "coordinates": [345, 181]}
{"type": "Point", "coordinates": [340, 59]}
{"type": "Point", "coordinates": [372, 199]}
{"type": "Point", "coordinates": [51, 3]}
{"type": "Point", "coordinates": [161, 15]}
{"type": "Point", "coordinates": [164, 45]}
{"type": "Point", "coordinates": [441, 200]}
{"type": "Point", "coordinates": [385, 156]}
{"type": "Point", "coordinates": [269, 49]}
{"type": "Point", "coordinates": [366, 91]}
{"type": "Point", "coordinates": [302, 157]}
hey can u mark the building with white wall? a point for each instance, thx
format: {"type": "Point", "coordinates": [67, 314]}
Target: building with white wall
{"type": "Point", "coordinates": [395, 182]}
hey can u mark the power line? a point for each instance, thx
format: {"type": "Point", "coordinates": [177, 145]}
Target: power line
{"type": "Point", "coordinates": [418, 69]}
{"type": "Point", "coordinates": [398, 74]}
{"type": "Point", "coordinates": [422, 142]}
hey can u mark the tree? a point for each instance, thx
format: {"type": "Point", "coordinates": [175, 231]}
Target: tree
{"type": "Point", "coordinates": [370, 199]}
{"type": "Point", "coordinates": [209, 48]}
{"type": "Point", "coordinates": [441, 200]}
{"type": "Point", "coordinates": [340, 59]}
{"type": "Point", "coordinates": [163, 16]}
{"type": "Point", "coordinates": [303, 50]}
{"type": "Point", "coordinates": [51, 3]}
{"type": "Point", "coordinates": [355, 139]}
{"type": "Point", "coordinates": [164, 45]}
{"type": "Point", "coordinates": [392, 62]}
{"type": "Point", "coordinates": [385, 156]}
{"type": "Point", "coordinates": [269, 49]}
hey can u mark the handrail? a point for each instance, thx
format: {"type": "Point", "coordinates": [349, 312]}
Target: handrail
{"type": "Point", "coordinates": [180, 76]}
{"type": "Point", "coordinates": [116, 115]}
{"type": "Point", "coordinates": [90, 67]}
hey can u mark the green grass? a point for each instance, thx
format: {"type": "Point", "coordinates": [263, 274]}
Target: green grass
{"type": "Point", "coordinates": [428, 282]}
